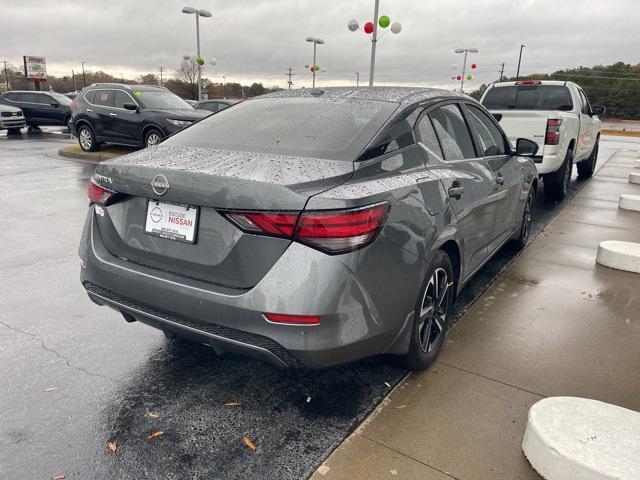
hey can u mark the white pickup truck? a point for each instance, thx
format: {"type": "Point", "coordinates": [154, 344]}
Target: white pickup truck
{"type": "Point", "coordinates": [558, 117]}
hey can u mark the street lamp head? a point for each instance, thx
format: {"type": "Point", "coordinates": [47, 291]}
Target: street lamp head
{"type": "Point", "coordinates": [311, 39]}
{"type": "Point", "coordinates": [205, 13]}
{"type": "Point", "coordinates": [473, 50]}
{"type": "Point", "coordinates": [189, 10]}
{"type": "Point", "coordinates": [319, 41]}
{"type": "Point", "coordinates": [186, 57]}
{"type": "Point", "coordinates": [459, 50]}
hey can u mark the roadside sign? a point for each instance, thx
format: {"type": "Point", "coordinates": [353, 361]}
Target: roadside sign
{"type": "Point", "coordinates": [35, 68]}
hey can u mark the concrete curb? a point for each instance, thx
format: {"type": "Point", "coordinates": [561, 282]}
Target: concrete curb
{"type": "Point", "coordinates": [108, 154]}
{"type": "Point", "coordinates": [637, 164]}
{"type": "Point", "coordinates": [629, 202]}
{"type": "Point", "coordinates": [571, 438]}
{"type": "Point", "coordinates": [634, 178]}
{"type": "Point", "coordinates": [619, 255]}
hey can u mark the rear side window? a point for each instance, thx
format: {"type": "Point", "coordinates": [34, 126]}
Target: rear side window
{"type": "Point", "coordinates": [586, 108]}
{"type": "Point", "coordinates": [14, 96]}
{"type": "Point", "coordinates": [490, 140]}
{"type": "Point", "coordinates": [528, 97]}
{"type": "Point", "coordinates": [453, 133]}
{"type": "Point", "coordinates": [428, 135]}
{"type": "Point", "coordinates": [104, 98]}
{"type": "Point", "coordinates": [36, 98]}
{"type": "Point", "coordinates": [89, 96]}
{"type": "Point", "coordinates": [211, 107]}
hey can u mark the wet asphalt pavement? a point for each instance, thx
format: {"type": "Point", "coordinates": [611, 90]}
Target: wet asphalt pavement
{"type": "Point", "coordinates": [75, 376]}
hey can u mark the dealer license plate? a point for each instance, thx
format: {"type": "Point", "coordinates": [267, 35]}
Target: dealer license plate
{"type": "Point", "coordinates": [175, 222]}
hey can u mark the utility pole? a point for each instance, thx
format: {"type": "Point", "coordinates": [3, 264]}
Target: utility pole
{"type": "Point", "coordinates": [289, 74]}
{"type": "Point", "coordinates": [519, 61]}
{"type": "Point", "coordinates": [501, 71]}
{"type": "Point", "coordinates": [357, 79]}
{"type": "Point", "coordinates": [374, 41]}
{"type": "Point", "coordinates": [224, 87]}
{"type": "Point", "coordinates": [160, 68]}
{"type": "Point", "coordinates": [73, 75]}
{"type": "Point", "coordinates": [6, 76]}
{"type": "Point", "coordinates": [84, 77]}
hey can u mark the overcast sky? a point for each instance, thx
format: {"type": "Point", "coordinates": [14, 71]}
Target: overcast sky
{"type": "Point", "coordinates": [256, 40]}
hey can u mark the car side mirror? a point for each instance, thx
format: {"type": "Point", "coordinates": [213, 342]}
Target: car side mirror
{"type": "Point", "coordinates": [599, 110]}
{"type": "Point", "coordinates": [54, 104]}
{"type": "Point", "coordinates": [130, 106]}
{"type": "Point", "coordinates": [526, 148]}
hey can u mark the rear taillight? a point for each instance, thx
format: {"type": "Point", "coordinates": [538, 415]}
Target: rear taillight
{"type": "Point", "coordinates": [332, 231]}
{"type": "Point", "coordinates": [552, 137]}
{"type": "Point", "coordinates": [292, 319]}
{"type": "Point", "coordinates": [73, 104]}
{"type": "Point", "coordinates": [99, 195]}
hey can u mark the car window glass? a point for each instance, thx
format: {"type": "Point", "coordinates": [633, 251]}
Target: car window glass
{"type": "Point", "coordinates": [222, 106]}
{"type": "Point", "coordinates": [395, 137]}
{"type": "Point", "coordinates": [14, 97]}
{"type": "Point", "coordinates": [528, 97]}
{"type": "Point", "coordinates": [104, 98]}
{"type": "Point", "coordinates": [121, 98]}
{"type": "Point", "coordinates": [211, 107]}
{"type": "Point", "coordinates": [586, 108]}
{"type": "Point", "coordinates": [428, 135]}
{"type": "Point", "coordinates": [453, 133]}
{"type": "Point", "coordinates": [32, 98]}
{"type": "Point", "coordinates": [89, 96]}
{"type": "Point", "coordinates": [491, 141]}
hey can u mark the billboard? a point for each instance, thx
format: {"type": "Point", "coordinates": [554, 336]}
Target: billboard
{"type": "Point", "coordinates": [35, 68]}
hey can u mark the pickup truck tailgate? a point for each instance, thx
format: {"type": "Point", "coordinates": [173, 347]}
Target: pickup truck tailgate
{"type": "Point", "coordinates": [527, 124]}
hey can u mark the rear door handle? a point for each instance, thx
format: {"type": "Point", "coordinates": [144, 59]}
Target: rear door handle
{"type": "Point", "coordinates": [113, 114]}
{"type": "Point", "coordinates": [89, 110]}
{"type": "Point", "coordinates": [456, 192]}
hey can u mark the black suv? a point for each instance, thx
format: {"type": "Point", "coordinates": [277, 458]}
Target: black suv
{"type": "Point", "coordinates": [134, 115]}
{"type": "Point", "coordinates": [40, 108]}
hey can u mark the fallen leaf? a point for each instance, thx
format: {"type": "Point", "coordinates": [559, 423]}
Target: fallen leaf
{"type": "Point", "coordinates": [112, 447]}
{"type": "Point", "coordinates": [152, 415]}
{"type": "Point", "coordinates": [58, 477]}
{"type": "Point", "coordinates": [232, 404]}
{"type": "Point", "coordinates": [51, 389]}
{"type": "Point", "coordinates": [248, 442]}
{"type": "Point", "coordinates": [401, 406]}
{"type": "Point", "coordinates": [155, 435]}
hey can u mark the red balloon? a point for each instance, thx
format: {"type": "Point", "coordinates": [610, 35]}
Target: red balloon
{"type": "Point", "coordinates": [368, 27]}
{"type": "Point", "coordinates": [474, 66]}
{"type": "Point", "coordinates": [459, 77]}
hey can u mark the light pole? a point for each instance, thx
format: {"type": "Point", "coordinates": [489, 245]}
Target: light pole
{"type": "Point", "coordinates": [199, 62]}
{"type": "Point", "coordinates": [357, 79]}
{"type": "Point", "coordinates": [224, 86]}
{"type": "Point", "coordinates": [519, 60]}
{"type": "Point", "coordinates": [316, 42]}
{"type": "Point", "coordinates": [84, 77]}
{"type": "Point", "coordinates": [464, 65]}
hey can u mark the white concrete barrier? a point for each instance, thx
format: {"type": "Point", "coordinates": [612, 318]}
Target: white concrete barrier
{"type": "Point", "coordinates": [634, 177]}
{"type": "Point", "coordinates": [629, 202]}
{"type": "Point", "coordinates": [619, 255]}
{"type": "Point", "coordinates": [637, 164]}
{"type": "Point", "coordinates": [575, 438]}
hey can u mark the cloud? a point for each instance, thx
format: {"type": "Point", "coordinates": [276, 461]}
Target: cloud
{"type": "Point", "coordinates": [256, 40]}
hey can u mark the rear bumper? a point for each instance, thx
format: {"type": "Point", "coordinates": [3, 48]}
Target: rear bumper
{"type": "Point", "coordinates": [361, 315]}
{"type": "Point", "coordinates": [548, 163]}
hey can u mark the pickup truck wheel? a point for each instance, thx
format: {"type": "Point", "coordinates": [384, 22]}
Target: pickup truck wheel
{"type": "Point", "coordinates": [556, 185]}
{"type": "Point", "coordinates": [588, 166]}
{"type": "Point", "coordinates": [432, 313]}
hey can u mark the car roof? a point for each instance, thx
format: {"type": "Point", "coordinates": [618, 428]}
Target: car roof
{"type": "Point", "coordinates": [403, 95]}
{"type": "Point", "coordinates": [30, 91]}
{"type": "Point", "coordinates": [223, 100]}
{"type": "Point", "coordinates": [128, 86]}
{"type": "Point", "coordinates": [541, 82]}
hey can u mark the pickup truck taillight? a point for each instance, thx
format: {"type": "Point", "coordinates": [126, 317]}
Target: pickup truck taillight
{"type": "Point", "coordinates": [552, 136]}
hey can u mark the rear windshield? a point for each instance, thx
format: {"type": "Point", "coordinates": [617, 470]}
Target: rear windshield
{"type": "Point", "coordinates": [336, 129]}
{"type": "Point", "coordinates": [161, 100]}
{"type": "Point", "coordinates": [62, 99]}
{"type": "Point", "coordinates": [528, 97]}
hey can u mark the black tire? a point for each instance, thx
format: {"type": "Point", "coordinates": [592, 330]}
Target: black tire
{"type": "Point", "coordinates": [429, 324]}
{"type": "Point", "coordinates": [527, 217]}
{"type": "Point", "coordinates": [588, 166]}
{"type": "Point", "coordinates": [67, 123]}
{"type": "Point", "coordinates": [556, 185]}
{"type": "Point", "coordinates": [86, 139]}
{"type": "Point", "coordinates": [152, 137]}
{"type": "Point", "coordinates": [13, 131]}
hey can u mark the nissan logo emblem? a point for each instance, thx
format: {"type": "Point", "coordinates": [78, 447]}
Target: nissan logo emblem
{"type": "Point", "coordinates": [160, 184]}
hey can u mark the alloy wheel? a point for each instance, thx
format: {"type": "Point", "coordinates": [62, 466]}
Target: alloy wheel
{"type": "Point", "coordinates": [433, 311]}
{"type": "Point", "coordinates": [526, 221]}
{"type": "Point", "coordinates": [85, 139]}
{"type": "Point", "coordinates": [153, 139]}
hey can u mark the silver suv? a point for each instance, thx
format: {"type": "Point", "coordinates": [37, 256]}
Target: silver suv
{"type": "Point", "coordinates": [11, 119]}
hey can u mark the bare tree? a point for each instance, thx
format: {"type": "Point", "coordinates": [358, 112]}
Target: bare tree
{"type": "Point", "coordinates": [187, 72]}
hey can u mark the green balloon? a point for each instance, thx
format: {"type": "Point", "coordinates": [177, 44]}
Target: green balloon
{"type": "Point", "coordinates": [317, 68]}
{"type": "Point", "coordinates": [384, 21]}
{"type": "Point", "coordinates": [469, 77]}
{"type": "Point", "coordinates": [200, 60]}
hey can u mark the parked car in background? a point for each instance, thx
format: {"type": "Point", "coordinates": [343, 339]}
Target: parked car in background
{"type": "Point", "coordinates": [11, 119]}
{"type": "Point", "coordinates": [558, 117]}
{"type": "Point", "coordinates": [216, 105]}
{"type": "Point", "coordinates": [193, 103]}
{"type": "Point", "coordinates": [72, 95]}
{"type": "Point", "coordinates": [310, 239]}
{"type": "Point", "coordinates": [134, 115]}
{"type": "Point", "coordinates": [40, 108]}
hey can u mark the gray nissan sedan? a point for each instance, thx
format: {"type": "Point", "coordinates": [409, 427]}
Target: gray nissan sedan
{"type": "Point", "coordinates": [310, 227]}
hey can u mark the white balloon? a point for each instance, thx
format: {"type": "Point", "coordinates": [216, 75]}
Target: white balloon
{"type": "Point", "coordinates": [396, 27]}
{"type": "Point", "coordinates": [212, 61]}
{"type": "Point", "coordinates": [323, 70]}
{"type": "Point", "coordinates": [353, 25]}
{"type": "Point", "coordinates": [454, 66]}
